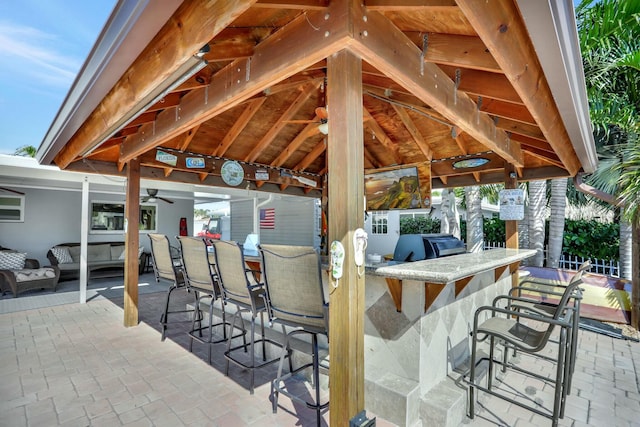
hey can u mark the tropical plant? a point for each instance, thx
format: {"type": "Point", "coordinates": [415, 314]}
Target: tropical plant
{"type": "Point", "coordinates": [26, 151]}
{"type": "Point", "coordinates": [609, 33]}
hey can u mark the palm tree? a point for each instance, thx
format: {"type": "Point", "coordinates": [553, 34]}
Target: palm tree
{"type": "Point", "coordinates": [558, 204]}
{"type": "Point", "coordinates": [26, 151]}
{"type": "Point", "coordinates": [475, 241]}
{"type": "Point", "coordinates": [609, 32]}
{"type": "Point", "coordinates": [537, 210]}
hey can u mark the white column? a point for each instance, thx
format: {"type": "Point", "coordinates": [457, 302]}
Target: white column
{"type": "Point", "coordinates": [84, 239]}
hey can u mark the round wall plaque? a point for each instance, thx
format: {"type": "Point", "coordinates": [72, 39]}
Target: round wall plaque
{"type": "Point", "coordinates": [470, 163]}
{"type": "Point", "coordinates": [232, 173]}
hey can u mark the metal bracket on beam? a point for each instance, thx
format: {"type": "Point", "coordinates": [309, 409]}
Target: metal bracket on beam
{"type": "Point", "coordinates": [425, 45]}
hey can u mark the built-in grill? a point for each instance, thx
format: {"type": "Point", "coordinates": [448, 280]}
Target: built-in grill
{"type": "Point", "coordinates": [416, 247]}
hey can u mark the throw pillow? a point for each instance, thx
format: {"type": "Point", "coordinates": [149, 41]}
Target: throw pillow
{"type": "Point", "coordinates": [140, 251]}
{"type": "Point", "coordinates": [62, 254]}
{"type": "Point", "coordinates": [12, 260]}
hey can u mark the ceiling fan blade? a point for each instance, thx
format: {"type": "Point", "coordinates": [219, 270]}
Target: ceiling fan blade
{"type": "Point", "coordinates": [322, 112]}
{"type": "Point", "coordinates": [165, 200]}
{"type": "Point", "coordinates": [11, 191]}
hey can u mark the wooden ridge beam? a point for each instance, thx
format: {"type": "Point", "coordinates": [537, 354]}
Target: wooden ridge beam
{"type": "Point", "coordinates": [500, 27]}
{"type": "Point", "coordinates": [383, 45]}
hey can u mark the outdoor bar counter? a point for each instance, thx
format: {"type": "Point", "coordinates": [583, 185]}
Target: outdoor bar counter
{"type": "Point", "coordinates": [417, 321]}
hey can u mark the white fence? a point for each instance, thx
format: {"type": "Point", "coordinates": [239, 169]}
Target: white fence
{"type": "Point", "coordinates": [572, 262]}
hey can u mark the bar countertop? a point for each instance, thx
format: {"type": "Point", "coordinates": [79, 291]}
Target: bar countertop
{"type": "Point", "coordinates": [451, 268]}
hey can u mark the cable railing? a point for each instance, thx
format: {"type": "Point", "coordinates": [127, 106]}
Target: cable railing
{"type": "Point", "coordinates": [573, 262]}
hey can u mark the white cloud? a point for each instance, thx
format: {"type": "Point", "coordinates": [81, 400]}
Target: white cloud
{"type": "Point", "coordinates": [30, 53]}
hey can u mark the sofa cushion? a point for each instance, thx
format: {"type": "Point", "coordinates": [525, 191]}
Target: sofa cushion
{"type": "Point", "coordinates": [62, 254]}
{"type": "Point", "coordinates": [34, 274]}
{"type": "Point", "coordinates": [10, 260]}
{"type": "Point", "coordinates": [75, 253]}
{"type": "Point", "coordinates": [99, 253]}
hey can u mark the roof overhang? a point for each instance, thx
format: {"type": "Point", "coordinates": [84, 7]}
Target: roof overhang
{"type": "Point", "coordinates": [552, 28]}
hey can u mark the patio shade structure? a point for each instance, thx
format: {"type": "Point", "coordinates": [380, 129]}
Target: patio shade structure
{"type": "Point", "coordinates": [305, 95]}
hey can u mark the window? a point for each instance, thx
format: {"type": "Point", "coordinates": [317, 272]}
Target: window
{"type": "Point", "coordinates": [11, 208]}
{"type": "Point", "coordinates": [379, 222]}
{"type": "Point", "coordinates": [108, 217]}
{"type": "Point", "coordinates": [414, 215]}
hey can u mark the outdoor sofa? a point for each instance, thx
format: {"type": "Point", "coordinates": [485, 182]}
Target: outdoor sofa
{"type": "Point", "coordinates": [20, 274]}
{"type": "Point", "coordinates": [104, 259]}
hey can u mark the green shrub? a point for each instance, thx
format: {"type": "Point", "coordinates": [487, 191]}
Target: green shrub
{"type": "Point", "coordinates": [419, 225]}
{"type": "Point", "coordinates": [589, 239]}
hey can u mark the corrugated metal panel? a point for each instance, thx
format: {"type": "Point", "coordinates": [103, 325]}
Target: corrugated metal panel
{"type": "Point", "coordinates": [241, 219]}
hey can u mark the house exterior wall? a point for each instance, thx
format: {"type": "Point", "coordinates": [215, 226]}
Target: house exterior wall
{"type": "Point", "coordinates": [296, 221]}
{"type": "Point", "coordinates": [53, 216]}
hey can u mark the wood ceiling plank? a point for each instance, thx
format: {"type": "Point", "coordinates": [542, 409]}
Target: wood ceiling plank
{"type": "Point", "coordinates": [382, 137]}
{"type": "Point", "coordinates": [388, 49]}
{"type": "Point", "coordinates": [502, 30]}
{"type": "Point", "coordinates": [187, 137]}
{"type": "Point", "coordinates": [292, 4]}
{"type": "Point", "coordinates": [280, 122]}
{"type": "Point", "coordinates": [515, 127]}
{"type": "Point", "coordinates": [484, 84]}
{"type": "Point", "coordinates": [406, 5]}
{"type": "Point", "coordinates": [309, 130]}
{"type": "Point", "coordinates": [303, 42]}
{"type": "Point", "coordinates": [457, 51]}
{"type": "Point", "coordinates": [413, 130]}
{"type": "Point", "coordinates": [507, 110]}
{"type": "Point", "coordinates": [190, 28]}
{"type": "Point", "coordinates": [317, 151]}
{"type": "Point", "coordinates": [250, 110]}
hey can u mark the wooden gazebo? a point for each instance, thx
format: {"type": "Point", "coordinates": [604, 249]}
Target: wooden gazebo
{"type": "Point", "coordinates": [305, 95]}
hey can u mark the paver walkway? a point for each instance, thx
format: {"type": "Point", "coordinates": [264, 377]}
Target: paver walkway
{"type": "Point", "coordinates": [76, 365]}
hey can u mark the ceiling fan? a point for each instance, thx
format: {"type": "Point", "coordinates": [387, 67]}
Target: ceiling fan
{"type": "Point", "coordinates": [152, 196]}
{"type": "Point", "coordinates": [8, 190]}
{"type": "Point", "coordinates": [322, 115]}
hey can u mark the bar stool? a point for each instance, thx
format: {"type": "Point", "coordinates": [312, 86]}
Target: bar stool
{"type": "Point", "coordinates": [202, 279]}
{"type": "Point", "coordinates": [295, 298]}
{"type": "Point", "coordinates": [167, 265]}
{"type": "Point", "coordinates": [248, 296]}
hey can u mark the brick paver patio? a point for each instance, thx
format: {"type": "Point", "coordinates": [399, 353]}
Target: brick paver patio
{"type": "Point", "coordinates": [76, 365]}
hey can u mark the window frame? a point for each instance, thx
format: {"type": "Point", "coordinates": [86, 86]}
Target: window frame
{"type": "Point", "coordinates": [376, 218]}
{"type": "Point", "coordinates": [119, 210]}
{"type": "Point", "coordinates": [20, 208]}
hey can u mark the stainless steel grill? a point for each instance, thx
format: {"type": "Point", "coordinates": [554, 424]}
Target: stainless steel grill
{"type": "Point", "coordinates": [416, 247]}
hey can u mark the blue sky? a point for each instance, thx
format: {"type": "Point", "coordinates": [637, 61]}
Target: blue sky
{"type": "Point", "coordinates": [43, 44]}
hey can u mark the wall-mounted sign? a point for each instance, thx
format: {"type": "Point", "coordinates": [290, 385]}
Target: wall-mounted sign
{"type": "Point", "coordinates": [470, 163]}
{"type": "Point", "coordinates": [232, 173]}
{"type": "Point", "coordinates": [262, 175]}
{"type": "Point", "coordinates": [512, 204]}
{"type": "Point", "coordinates": [194, 162]}
{"type": "Point", "coordinates": [167, 158]}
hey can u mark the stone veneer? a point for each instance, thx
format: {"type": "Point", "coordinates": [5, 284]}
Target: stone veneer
{"type": "Point", "coordinates": [411, 358]}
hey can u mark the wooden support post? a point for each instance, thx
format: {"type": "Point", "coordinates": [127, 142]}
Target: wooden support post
{"type": "Point", "coordinates": [132, 242]}
{"type": "Point", "coordinates": [345, 160]}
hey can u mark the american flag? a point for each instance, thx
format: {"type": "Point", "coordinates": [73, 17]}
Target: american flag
{"type": "Point", "coordinates": [268, 218]}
